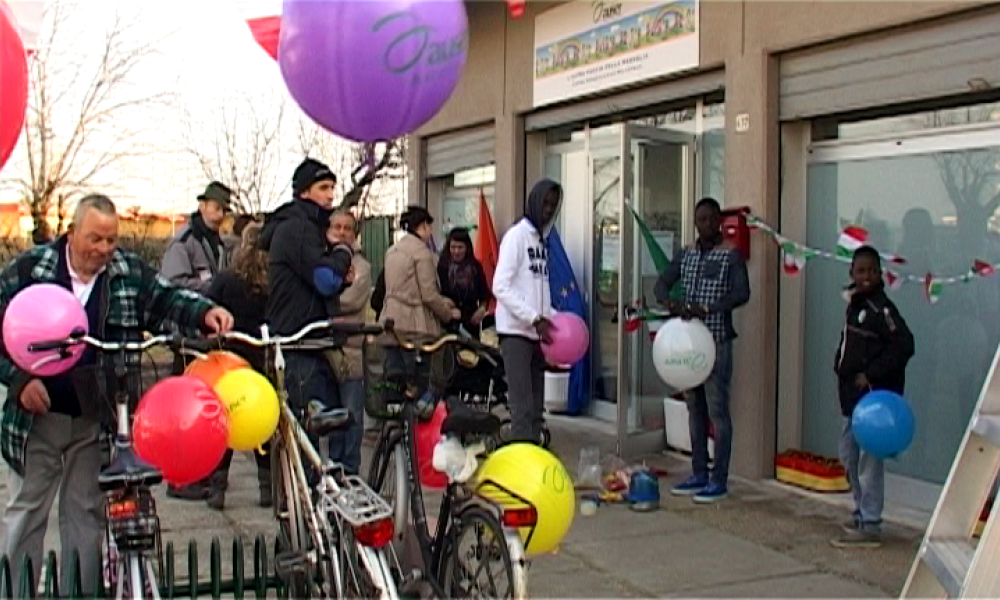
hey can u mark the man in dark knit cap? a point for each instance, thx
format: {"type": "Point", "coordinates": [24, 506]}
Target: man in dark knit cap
{"type": "Point", "coordinates": [304, 278]}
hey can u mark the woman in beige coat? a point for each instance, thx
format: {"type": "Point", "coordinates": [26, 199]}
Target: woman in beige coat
{"type": "Point", "coordinates": [413, 297]}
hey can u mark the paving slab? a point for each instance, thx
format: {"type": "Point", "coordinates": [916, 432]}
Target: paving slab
{"type": "Point", "coordinates": [810, 585]}
{"type": "Point", "coordinates": [686, 560]}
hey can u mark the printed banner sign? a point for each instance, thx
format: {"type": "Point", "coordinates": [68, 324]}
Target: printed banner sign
{"type": "Point", "coordinates": [584, 47]}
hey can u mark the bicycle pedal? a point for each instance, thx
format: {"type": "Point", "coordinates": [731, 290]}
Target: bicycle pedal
{"type": "Point", "coordinates": [410, 583]}
{"type": "Point", "coordinates": [290, 563]}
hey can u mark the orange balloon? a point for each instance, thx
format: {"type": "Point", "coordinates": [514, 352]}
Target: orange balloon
{"type": "Point", "coordinates": [214, 365]}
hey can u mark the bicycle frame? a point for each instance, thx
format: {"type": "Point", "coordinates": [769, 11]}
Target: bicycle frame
{"type": "Point", "coordinates": [132, 528]}
{"type": "Point", "coordinates": [294, 453]}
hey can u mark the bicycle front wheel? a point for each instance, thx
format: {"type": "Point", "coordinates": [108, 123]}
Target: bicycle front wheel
{"type": "Point", "coordinates": [481, 560]}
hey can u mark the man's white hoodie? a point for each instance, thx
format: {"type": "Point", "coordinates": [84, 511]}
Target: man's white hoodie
{"type": "Point", "coordinates": [521, 279]}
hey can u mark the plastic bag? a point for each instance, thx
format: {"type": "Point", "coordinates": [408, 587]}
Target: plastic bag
{"type": "Point", "coordinates": [588, 475]}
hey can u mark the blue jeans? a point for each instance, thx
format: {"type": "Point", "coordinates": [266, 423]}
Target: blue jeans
{"type": "Point", "coordinates": [866, 474]}
{"type": "Point", "coordinates": [711, 401]}
{"type": "Point", "coordinates": [345, 446]}
{"type": "Point", "coordinates": [309, 376]}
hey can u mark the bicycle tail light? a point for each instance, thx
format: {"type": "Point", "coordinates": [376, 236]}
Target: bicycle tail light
{"type": "Point", "coordinates": [375, 534]}
{"type": "Point", "coordinates": [124, 508]}
{"type": "Point", "coordinates": [522, 516]}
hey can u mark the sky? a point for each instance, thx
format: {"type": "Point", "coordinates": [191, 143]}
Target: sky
{"type": "Point", "coordinates": [209, 58]}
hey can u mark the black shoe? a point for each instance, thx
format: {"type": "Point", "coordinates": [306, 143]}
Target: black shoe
{"type": "Point", "coordinates": [194, 492]}
{"type": "Point", "coordinates": [216, 499]}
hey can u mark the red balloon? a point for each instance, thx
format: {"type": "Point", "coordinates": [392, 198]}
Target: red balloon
{"type": "Point", "coordinates": [428, 435]}
{"type": "Point", "coordinates": [13, 83]}
{"type": "Point", "coordinates": [181, 427]}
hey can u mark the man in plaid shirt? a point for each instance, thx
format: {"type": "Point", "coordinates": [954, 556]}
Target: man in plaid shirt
{"type": "Point", "coordinates": [48, 438]}
{"type": "Point", "coordinates": [715, 281]}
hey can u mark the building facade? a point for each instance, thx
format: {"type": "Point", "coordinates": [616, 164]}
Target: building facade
{"type": "Point", "coordinates": [884, 115]}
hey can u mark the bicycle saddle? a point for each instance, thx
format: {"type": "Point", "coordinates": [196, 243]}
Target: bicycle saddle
{"type": "Point", "coordinates": [462, 423]}
{"type": "Point", "coordinates": [321, 421]}
{"type": "Point", "coordinates": [128, 469]}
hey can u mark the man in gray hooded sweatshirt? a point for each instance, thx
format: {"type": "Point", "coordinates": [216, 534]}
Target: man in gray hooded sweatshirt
{"type": "Point", "coordinates": [521, 287]}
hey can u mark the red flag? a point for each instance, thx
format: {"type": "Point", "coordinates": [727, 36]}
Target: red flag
{"type": "Point", "coordinates": [487, 251]}
{"type": "Point", "coordinates": [263, 17]}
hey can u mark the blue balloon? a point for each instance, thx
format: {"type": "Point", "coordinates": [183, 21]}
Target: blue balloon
{"type": "Point", "coordinates": [883, 423]}
{"type": "Point", "coordinates": [327, 281]}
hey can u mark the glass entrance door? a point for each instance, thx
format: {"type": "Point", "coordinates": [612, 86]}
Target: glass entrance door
{"type": "Point", "coordinates": [655, 198]}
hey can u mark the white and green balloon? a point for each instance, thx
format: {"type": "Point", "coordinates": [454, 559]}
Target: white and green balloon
{"type": "Point", "coordinates": [684, 353]}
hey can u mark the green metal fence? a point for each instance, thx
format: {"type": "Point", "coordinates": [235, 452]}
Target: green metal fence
{"type": "Point", "coordinates": [376, 237]}
{"type": "Point", "coordinates": [238, 585]}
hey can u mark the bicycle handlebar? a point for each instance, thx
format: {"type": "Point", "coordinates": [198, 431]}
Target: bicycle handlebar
{"type": "Point", "coordinates": [432, 347]}
{"type": "Point", "coordinates": [79, 337]}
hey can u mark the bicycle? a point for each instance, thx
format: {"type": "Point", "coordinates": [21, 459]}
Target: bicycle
{"type": "Point", "coordinates": [462, 509]}
{"type": "Point", "coordinates": [133, 543]}
{"type": "Point", "coordinates": [319, 556]}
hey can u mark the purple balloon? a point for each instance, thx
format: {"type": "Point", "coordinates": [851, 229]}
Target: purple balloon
{"type": "Point", "coordinates": [371, 70]}
{"type": "Point", "coordinates": [570, 340]}
{"type": "Point", "coordinates": [40, 313]}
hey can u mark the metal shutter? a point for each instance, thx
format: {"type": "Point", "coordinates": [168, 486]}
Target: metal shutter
{"type": "Point", "coordinates": [453, 152]}
{"type": "Point", "coordinates": [925, 62]}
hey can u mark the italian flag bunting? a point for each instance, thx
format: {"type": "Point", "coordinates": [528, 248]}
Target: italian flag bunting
{"type": "Point", "coordinates": [851, 238]}
{"type": "Point", "coordinates": [892, 280]}
{"type": "Point", "coordinates": [983, 268]}
{"type": "Point", "coordinates": [932, 287]}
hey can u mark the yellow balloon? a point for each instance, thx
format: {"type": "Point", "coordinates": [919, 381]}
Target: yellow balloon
{"type": "Point", "coordinates": [525, 473]}
{"type": "Point", "coordinates": [253, 407]}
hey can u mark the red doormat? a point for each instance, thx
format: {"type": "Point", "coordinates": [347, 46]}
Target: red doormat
{"type": "Point", "coordinates": [811, 471]}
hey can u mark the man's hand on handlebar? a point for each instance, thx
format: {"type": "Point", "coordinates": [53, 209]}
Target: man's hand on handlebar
{"type": "Point", "coordinates": [218, 320]}
{"type": "Point", "coordinates": [35, 398]}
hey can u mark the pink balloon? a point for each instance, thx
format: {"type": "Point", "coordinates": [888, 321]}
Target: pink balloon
{"type": "Point", "coordinates": [570, 340]}
{"type": "Point", "coordinates": [39, 313]}
{"type": "Point", "coordinates": [181, 427]}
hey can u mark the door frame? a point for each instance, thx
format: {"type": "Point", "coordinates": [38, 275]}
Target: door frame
{"type": "Point", "coordinates": [634, 443]}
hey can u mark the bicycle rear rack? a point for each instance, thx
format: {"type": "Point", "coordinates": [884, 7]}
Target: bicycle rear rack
{"type": "Point", "coordinates": [356, 502]}
{"type": "Point", "coordinates": [238, 585]}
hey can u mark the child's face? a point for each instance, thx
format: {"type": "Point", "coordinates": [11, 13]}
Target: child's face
{"type": "Point", "coordinates": [866, 273]}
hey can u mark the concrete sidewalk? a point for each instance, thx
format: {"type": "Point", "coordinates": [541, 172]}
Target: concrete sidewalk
{"type": "Point", "coordinates": [762, 542]}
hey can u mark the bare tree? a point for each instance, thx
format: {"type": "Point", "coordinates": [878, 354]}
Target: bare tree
{"type": "Point", "coordinates": [241, 145]}
{"type": "Point", "coordinates": [365, 172]}
{"type": "Point", "coordinates": [85, 109]}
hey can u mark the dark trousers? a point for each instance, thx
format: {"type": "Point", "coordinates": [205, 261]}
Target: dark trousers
{"type": "Point", "coordinates": [525, 366]}
{"type": "Point", "coordinates": [711, 401]}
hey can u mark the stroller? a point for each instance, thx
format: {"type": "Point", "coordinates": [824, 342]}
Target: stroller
{"type": "Point", "coordinates": [480, 382]}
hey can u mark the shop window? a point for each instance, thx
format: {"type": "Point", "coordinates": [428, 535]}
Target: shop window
{"type": "Point", "coordinates": [933, 201]}
{"type": "Point", "coordinates": [456, 199]}
{"type": "Point", "coordinates": [849, 128]}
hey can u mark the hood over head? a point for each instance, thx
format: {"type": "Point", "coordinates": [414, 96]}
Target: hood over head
{"type": "Point", "coordinates": [536, 200]}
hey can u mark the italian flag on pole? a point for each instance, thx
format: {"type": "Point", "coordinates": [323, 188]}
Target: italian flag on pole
{"type": "Point", "coordinates": [851, 238]}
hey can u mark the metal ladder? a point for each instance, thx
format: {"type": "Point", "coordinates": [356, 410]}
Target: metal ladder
{"type": "Point", "coordinates": [951, 563]}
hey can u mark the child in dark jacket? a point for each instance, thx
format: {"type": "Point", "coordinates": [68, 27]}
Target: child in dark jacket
{"type": "Point", "coordinates": [875, 346]}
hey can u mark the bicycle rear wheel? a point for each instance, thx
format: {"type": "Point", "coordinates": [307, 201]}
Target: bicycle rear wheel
{"type": "Point", "coordinates": [478, 560]}
{"type": "Point", "coordinates": [387, 476]}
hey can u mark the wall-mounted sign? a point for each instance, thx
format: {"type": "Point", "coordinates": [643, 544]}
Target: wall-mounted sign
{"type": "Point", "coordinates": [587, 46]}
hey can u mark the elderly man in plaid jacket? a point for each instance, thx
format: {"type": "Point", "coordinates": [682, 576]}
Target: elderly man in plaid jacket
{"type": "Point", "coordinates": [47, 438]}
{"type": "Point", "coordinates": [715, 282]}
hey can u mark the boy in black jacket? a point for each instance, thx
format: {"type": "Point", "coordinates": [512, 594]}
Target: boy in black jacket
{"type": "Point", "coordinates": [875, 346]}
